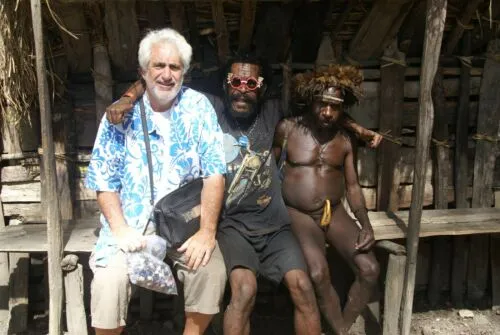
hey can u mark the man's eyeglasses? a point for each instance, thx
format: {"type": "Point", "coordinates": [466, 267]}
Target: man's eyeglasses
{"type": "Point", "coordinates": [250, 82]}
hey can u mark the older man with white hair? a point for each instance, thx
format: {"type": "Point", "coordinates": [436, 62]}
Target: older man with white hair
{"type": "Point", "coordinates": [186, 143]}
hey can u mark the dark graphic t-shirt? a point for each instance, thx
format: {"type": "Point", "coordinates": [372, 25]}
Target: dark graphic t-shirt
{"type": "Point", "coordinates": [253, 203]}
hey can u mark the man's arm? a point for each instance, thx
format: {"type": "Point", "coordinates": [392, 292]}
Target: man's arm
{"type": "Point", "coordinates": [279, 137]}
{"type": "Point", "coordinates": [128, 239]}
{"type": "Point", "coordinates": [357, 202]}
{"type": "Point", "coordinates": [372, 138]}
{"type": "Point", "coordinates": [116, 111]}
{"type": "Point", "coordinates": [199, 247]}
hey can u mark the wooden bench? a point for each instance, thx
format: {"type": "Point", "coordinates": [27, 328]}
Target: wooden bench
{"type": "Point", "coordinates": [80, 236]}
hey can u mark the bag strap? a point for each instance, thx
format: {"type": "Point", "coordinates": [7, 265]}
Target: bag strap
{"type": "Point", "coordinates": [148, 150]}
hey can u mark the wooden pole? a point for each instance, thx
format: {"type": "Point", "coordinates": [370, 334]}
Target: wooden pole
{"type": "Point", "coordinates": [488, 132]}
{"type": "Point", "coordinates": [392, 79]}
{"type": "Point", "coordinates": [440, 252]}
{"type": "Point", "coordinates": [462, 22]}
{"type": "Point", "coordinates": [54, 229]}
{"type": "Point", "coordinates": [247, 21]}
{"type": "Point", "coordinates": [461, 161]}
{"type": "Point", "coordinates": [220, 30]}
{"type": "Point", "coordinates": [434, 27]}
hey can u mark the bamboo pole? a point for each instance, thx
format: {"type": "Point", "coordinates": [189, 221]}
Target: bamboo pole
{"type": "Point", "coordinates": [434, 28]}
{"type": "Point", "coordinates": [54, 229]}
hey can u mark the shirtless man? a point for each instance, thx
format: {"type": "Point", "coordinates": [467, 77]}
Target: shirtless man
{"type": "Point", "coordinates": [318, 156]}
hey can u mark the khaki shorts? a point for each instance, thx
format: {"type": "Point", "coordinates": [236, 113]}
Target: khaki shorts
{"type": "Point", "coordinates": [111, 290]}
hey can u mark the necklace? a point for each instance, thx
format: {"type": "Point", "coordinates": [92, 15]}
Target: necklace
{"type": "Point", "coordinates": [244, 139]}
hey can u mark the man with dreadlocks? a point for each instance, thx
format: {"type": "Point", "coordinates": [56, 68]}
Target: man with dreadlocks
{"type": "Point", "coordinates": [317, 156]}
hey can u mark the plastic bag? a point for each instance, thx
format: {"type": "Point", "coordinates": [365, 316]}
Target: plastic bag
{"type": "Point", "coordinates": [147, 269]}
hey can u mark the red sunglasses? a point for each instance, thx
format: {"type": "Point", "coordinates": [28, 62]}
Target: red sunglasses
{"type": "Point", "coordinates": [250, 82]}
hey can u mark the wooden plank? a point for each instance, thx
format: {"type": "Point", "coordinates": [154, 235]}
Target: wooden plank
{"type": "Point", "coordinates": [247, 21]}
{"type": "Point", "coordinates": [391, 105]}
{"type": "Point", "coordinates": [54, 235]}
{"type": "Point", "coordinates": [18, 292]}
{"type": "Point", "coordinates": [378, 28]}
{"type": "Point", "coordinates": [488, 123]}
{"type": "Point", "coordinates": [286, 95]}
{"type": "Point", "coordinates": [434, 27]}
{"type": "Point", "coordinates": [460, 251]}
{"type": "Point", "coordinates": [441, 177]}
{"type": "Point", "coordinates": [393, 290]}
{"type": "Point", "coordinates": [20, 173]}
{"type": "Point", "coordinates": [194, 39]}
{"type": "Point", "coordinates": [20, 136]}
{"type": "Point", "coordinates": [220, 30]}
{"type": "Point", "coordinates": [76, 319]}
{"type": "Point", "coordinates": [80, 235]}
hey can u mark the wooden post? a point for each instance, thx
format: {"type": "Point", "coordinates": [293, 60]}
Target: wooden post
{"type": "Point", "coordinates": [220, 30]}
{"type": "Point", "coordinates": [379, 28]}
{"type": "Point", "coordinates": [19, 264]}
{"type": "Point", "coordinates": [495, 264]}
{"type": "Point", "coordinates": [287, 85]}
{"type": "Point", "coordinates": [54, 229]}
{"type": "Point", "coordinates": [434, 27]}
{"type": "Point", "coordinates": [440, 252]}
{"type": "Point", "coordinates": [194, 39]}
{"type": "Point", "coordinates": [488, 126]}
{"type": "Point", "coordinates": [177, 16]}
{"type": "Point", "coordinates": [461, 161]}
{"type": "Point", "coordinates": [247, 21]}
{"type": "Point", "coordinates": [462, 21]}
{"type": "Point", "coordinates": [392, 79]}
{"type": "Point", "coordinates": [4, 275]}
{"type": "Point", "coordinates": [393, 290]}
{"type": "Point", "coordinates": [76, 319]}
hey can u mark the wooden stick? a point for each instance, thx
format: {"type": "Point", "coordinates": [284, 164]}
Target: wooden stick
{"type": "Point", "coordinates": [54, 230]}
{"type": "Point", "coordinates": [247, 21]}
{"type": "Point", "coordinates": [459, 262]}
{"type": "Point", "coordinates": [434, 28]}
{"type": "Point", "coordinates": [462, 21]}
{"type": "Point", "coordinates": [390, 119]}
{"type": "Point", "coordinates": [220, 30]}
{"type": "Point", "coordinates": [73, 284]}
{"type": "Point", "coordinates": [440, 251]}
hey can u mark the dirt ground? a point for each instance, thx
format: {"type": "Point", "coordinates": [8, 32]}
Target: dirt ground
{"type": "Point", "coordinates": [441, 321]}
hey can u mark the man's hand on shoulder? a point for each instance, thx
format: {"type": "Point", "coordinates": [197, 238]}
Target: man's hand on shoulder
{"type": "Point", "coordinates": [198, 248]}
{"type": "Point", "coordinates": [116, 111]}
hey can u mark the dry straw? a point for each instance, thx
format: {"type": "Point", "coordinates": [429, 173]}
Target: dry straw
{"type": "Point", "coordinates": [17, 68]}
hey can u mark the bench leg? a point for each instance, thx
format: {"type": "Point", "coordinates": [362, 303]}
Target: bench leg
{"type": "Point", "coordinates": [19, 264]}
{"type": "Point", "coordinates": [393, 292]}
{"type": "Point", "coordinates": [73, 287]}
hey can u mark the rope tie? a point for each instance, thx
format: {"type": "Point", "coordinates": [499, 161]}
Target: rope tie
{"type": "Point", "coordinates": [464, 26]}
{"type": "Point", "coordinates": [443, 143]}
{"type": "Point", "coordinates": [484, 137]}
{"type": "Point", "coordinates": [392, 61]}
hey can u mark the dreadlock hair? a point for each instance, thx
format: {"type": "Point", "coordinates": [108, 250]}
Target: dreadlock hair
{"type": "Point", "coordinates": [345, 77]}
{"type": "Point", "coordinates": [250, 58]}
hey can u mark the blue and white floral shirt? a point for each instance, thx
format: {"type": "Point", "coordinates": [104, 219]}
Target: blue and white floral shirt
{"type": "Point", "coordinates": [119, 162]}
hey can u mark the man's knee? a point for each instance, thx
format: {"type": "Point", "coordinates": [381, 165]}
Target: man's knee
{"type": "Point", "coordinates": [243, 287]}
{"type": "Point", "coordinates": [369, 270]}
{"type": "Point", "coordinates": [299, 284]}
{"type": "Point", "coordinates": [320, 275]}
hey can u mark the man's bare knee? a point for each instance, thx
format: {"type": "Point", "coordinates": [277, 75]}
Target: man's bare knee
{"type": "Point", "coordinates": [320, 275]}
{"type": "Point", "coordinates": [369, 270]}
{"type": "Point", "coordinates": [243, 289]}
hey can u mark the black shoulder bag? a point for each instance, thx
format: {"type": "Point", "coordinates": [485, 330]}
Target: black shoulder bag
{"type": "Point", "coordinates": [176, 215]}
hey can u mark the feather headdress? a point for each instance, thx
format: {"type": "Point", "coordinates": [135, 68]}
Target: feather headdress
{"type": "Point", "coordinates": [347, 78]}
